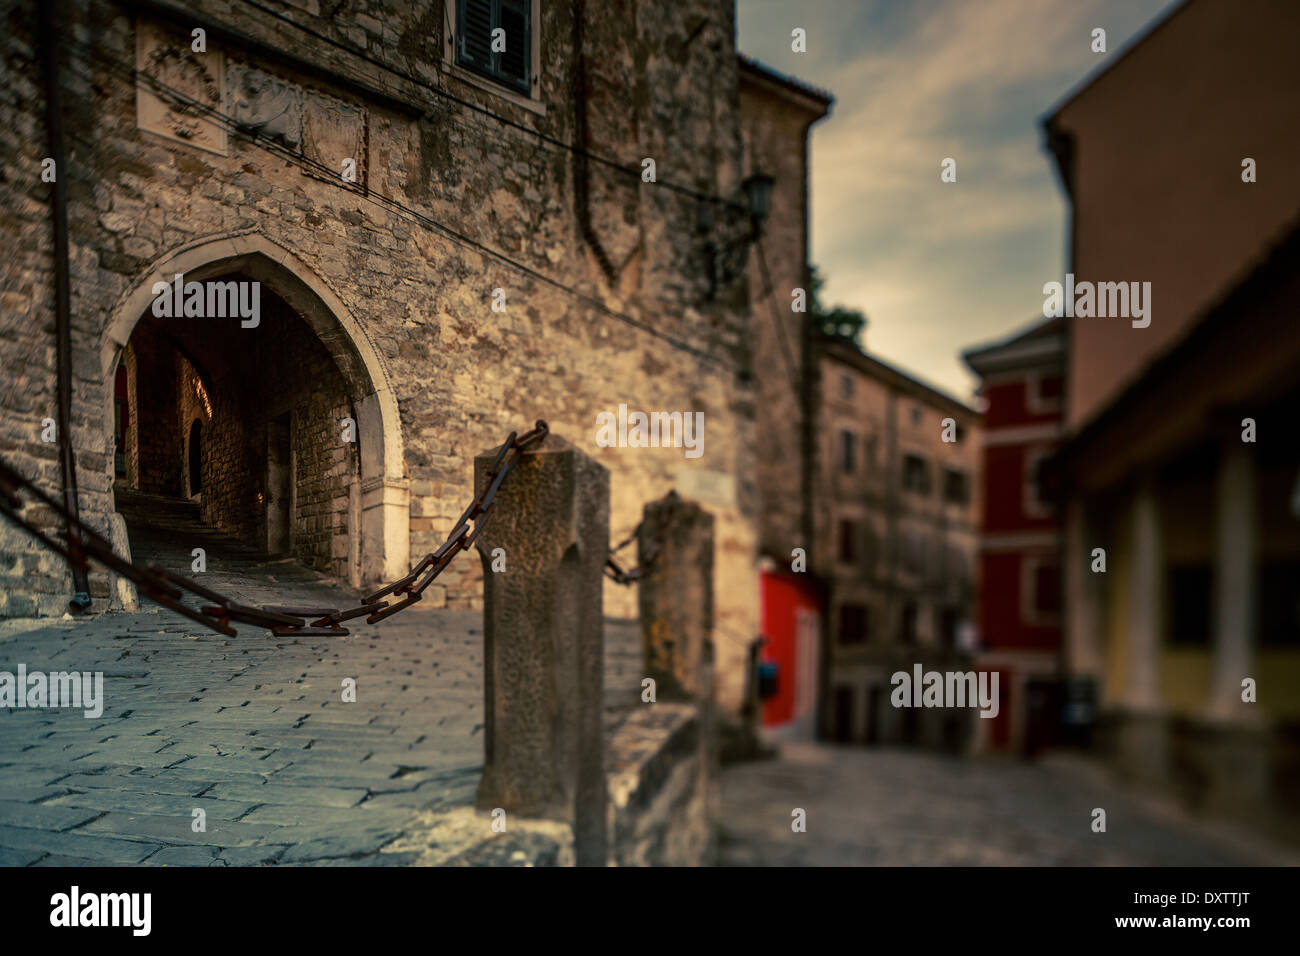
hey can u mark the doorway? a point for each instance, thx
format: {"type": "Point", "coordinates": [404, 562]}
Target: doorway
{"type": "Point", "coordinates": [279, 485]}
{"type": "Point", "coordinates": [875, 702]}
{"type": "Point", "coordinates": [196, 458]}
{"type": "Point", "coordinates": [309, 355]}
{"type": "Point", "coordinates": [843, 714]}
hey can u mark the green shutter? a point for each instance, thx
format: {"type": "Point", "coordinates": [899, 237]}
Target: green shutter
{"type": "Point", "coordinates": [474, 26]}
{"type": "Point", "coordinates": [512, 66]}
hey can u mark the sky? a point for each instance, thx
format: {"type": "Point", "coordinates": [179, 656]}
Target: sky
{"type": "Point", "coordinates": [938, 267]}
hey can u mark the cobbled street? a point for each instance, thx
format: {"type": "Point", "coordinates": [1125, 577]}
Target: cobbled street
{"type": "Point", "coordinates": [886, 807]}
{"type": "Point", "coordinates": [253, 731]}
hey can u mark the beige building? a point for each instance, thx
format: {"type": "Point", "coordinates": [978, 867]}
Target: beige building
{"type": "Point", "coordinates": [1181, 470]}
{"type": "Point", "coordinates": [897, 543]}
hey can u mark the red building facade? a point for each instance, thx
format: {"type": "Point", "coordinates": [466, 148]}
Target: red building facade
{"type": "Point", "coordinates": [1022, 383]}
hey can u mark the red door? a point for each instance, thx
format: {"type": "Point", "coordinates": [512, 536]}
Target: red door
{"type": "Point", "coordinates": [791, 623]}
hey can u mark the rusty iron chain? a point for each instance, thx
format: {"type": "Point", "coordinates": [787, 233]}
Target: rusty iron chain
{"type": "Point", "coordinates": [79, 544]}
{"type": "Point", "coordinates": [412, 586]}
{"type": "Point", "coordinates": [615, 572]}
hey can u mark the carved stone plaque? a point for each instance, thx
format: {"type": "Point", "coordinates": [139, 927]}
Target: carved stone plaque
{"type": "Point", "coordinates": [189, 82]}
{"type": "Point", "coordinates": [708, 487]}
{"type": "Point", "coordinates": [332, 132]}
{"type": "Point", "coordinates": [264, 105]}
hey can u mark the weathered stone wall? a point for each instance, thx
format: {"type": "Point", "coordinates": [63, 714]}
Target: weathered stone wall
{"type": "Point", "coordinates": [325, 466]}
{"type": "Point", "coordinates": [660, 781]}
{"type": "Point", "coordinates": [462, 375]}
{"type": "Point", "coordinates": [131, 447]}
{"type": "Point", "coordinates": [158, 451]}
{"type": "Point", "coordinates": [776, 120]}
{"type": "Point", "coordinates": [192, 406]}
{"type": "Point", "coordinates": [234, 449]}
{"type": "Point", "coordinates": [294, 363]}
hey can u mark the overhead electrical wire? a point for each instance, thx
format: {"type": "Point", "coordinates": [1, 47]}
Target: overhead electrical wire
{"type": "Point", "coordinates": [634, 171]}
{"type": "Point", "coordinates": [333, 177]}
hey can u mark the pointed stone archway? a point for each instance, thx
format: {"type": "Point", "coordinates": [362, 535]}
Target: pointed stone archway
{"type": "Point", "coordinates": [380, 497]}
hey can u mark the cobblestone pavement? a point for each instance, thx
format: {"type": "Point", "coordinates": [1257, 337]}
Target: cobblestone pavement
{"type": "Point", "coordinates": [883, 807]}
{"type": "Point", "coordinates": [253, 730]}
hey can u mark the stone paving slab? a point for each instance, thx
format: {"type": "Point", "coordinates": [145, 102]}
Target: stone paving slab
{"type": "Point", "coordinates": [58, 860]}
{"type": "Point", "coordinates": [20, 857]}
{"type": "Point", "coordinates": [322, 797]}
{"type": "Point", "coordinates": [76, 844]}
{"type": "Point", "coordinates": [103, 800]}
{"type": "Point", "coordinates": [186, 856]}
{"type": "Point", "coordinates": [173, 830]}
{"type": "Point", "coordinates": [169, 784]}
{"type": "Point", "coordinates": [43, 816]}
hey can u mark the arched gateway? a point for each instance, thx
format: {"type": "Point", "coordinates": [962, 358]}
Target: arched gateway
{"type": "Point", "coordinates": [372, 472]}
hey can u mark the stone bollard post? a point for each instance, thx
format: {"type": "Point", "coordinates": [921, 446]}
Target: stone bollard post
{"type": "Point", "coordinates": [675, 552]}
{"type": "Point", "coordinates": [675, 596]}
{"type": "Point", "coordinates": [543, 642]}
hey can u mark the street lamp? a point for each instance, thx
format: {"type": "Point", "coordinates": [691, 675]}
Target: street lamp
{"type": "Point", "coordinates": [741, 226]}
{"type": "Point", "coordinates": [758, 197]}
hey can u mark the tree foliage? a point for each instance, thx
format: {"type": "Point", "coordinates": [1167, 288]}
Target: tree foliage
{"type": "Point", "coordinates": [838, 321]}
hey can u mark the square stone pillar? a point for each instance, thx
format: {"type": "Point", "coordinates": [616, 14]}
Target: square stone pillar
{"type": "Point", "coordinates": [675, 597]}
{"type": "Point", "coordinates": [1143, 733]}
{"type": "Point", "coordinates": [1084, 637]}
{"type": "Point", "coordinates": [1145, 602]}
{"type": "Point", "coordinates": [543, 642]}
{"type": "Point", "coordinates": [1236, 742]}
{"type": "Point", "coordinates": [1236, 542]}
{"type": "Point", "coordinates": [675, 602]}
{"type": "Point", "coordinates": [385, 529]}
{"type": "Point", "coordinates": [1084, 651]}
{"type": "Point", "coordinates": [384, 498]}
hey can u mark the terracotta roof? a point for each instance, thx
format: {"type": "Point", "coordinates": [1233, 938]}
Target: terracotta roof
{"type": "Point", "coordinates": [837, 348]}
{"type": "Point", "coordinates": [1035, 341]}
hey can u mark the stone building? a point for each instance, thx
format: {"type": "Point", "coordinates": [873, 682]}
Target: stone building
{"type": "Point", "coordinates": [1180, 471]}
{"type": "Point", "coordinates": [777, 115]}
{"type": "Point", "coordinates": [448, 241]}
{"type": "Point", "coordinates": [897, 540]}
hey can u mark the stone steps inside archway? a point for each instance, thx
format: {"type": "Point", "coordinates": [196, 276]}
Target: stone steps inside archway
{"type": "Point", "coordinates": [164, 531]}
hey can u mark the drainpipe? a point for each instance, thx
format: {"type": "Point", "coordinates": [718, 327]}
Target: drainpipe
{"type": "Point", "coordinates": [80, 600]}
{"type": "Point", "coordinates": [809, 374]}
{"type": "Point", "coordinates": [581, 169]}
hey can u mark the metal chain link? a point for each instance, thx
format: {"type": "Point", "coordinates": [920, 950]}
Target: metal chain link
{"type": "Point", "coordinates": [614, 571]}
{"type": "Point", "coordinates": [77, 544]}
{"type": "Point", "coordinates": [412, 586]}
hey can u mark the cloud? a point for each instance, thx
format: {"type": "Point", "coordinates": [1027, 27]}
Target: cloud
{"type": "Point", "coordinates": [937, 266]}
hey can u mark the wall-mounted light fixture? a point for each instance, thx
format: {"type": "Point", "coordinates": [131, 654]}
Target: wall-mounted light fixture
{"type": "Point", "coordinates": [726, 250]}
{"type": "Point", "coordinates": [758, 196]}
